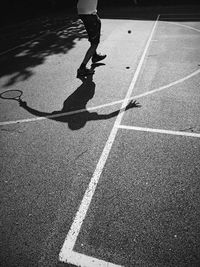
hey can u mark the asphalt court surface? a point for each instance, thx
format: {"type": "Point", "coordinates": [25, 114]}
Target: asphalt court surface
{"type": "Point", "coordinates": [145, 212]}
{"type": "Point", "coordinates": [145, 209]}
{"type": "Point", "coordinates": [172, 80]}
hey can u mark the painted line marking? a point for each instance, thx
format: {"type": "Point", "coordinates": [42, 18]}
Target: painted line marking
{"type": "Point", "coordinates": [183, 25]}
{"type": "Point", "coordinates": [178, 19]}
{"type": "Point", "coordinates": [70, 240]}
{"type": "Point", "coordinates": [87, 261]}
{"type": "Point", "coordinates": [180, 14]}
{"type": "Point", "coordinates": [103, 105]}
{"type": "Point", "coordinates": [75, 255]}
{"type": "Point", "coordinates": [161, 131]}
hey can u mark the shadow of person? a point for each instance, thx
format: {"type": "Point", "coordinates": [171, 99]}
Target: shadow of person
{"type": "Point", "coordinates": [80, 97]}
{"type": "Point", "coordinates": [74, 110]}
{"type": "Point", "coordinates": [75, 105]}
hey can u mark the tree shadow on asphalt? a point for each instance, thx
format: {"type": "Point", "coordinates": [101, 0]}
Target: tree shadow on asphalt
{"type": "Point", "coordinates": [74, 110]}
{"type": "Point", "coordinates": [41, 42]}
{"type": "Point", "coordinates": [29, 44]}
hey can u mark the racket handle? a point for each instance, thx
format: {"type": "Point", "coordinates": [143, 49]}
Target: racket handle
{"type": "Point", "coordinates": [22, 103]}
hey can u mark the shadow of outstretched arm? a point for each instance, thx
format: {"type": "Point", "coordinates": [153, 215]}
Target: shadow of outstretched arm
{"type": "Point", "coordinates": [80, 117]}
{"type": "Point", "coordinates": [34, 111]}
{"type": "Point", "coordinates": [96, 116]}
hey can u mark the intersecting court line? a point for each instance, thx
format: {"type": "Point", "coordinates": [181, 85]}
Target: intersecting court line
{"type": "Point", "coordinates": [67, 254]}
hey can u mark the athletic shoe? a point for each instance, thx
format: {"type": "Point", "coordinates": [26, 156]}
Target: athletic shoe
{"type": "Point", "coordinates": [97, 58]}
{"type": "Point", "coordinates": [84, 72]}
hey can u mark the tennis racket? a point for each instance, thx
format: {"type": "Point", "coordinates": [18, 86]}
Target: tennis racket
{"type": "Point", "coordinates": [12, 95]}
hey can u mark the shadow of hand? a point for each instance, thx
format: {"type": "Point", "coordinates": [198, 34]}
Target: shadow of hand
{"type": "Point", "coordinates": [133, 104]}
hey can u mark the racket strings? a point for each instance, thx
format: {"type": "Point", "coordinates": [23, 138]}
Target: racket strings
{"type": "Point", "coordinates": [11, 94]}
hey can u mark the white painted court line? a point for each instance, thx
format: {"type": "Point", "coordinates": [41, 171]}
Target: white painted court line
{"type": "Point", "coordinates": [161, 131]}
{"type": "Point", "coordinates": [167, 86]}
{"type": "Point", "coordinates": [180, 19]}
{"type": "Point", "coordinates": [59, 115]}
{"type": "Point", "coordinates": [183, 25]}
{"type": "Point", "coordinates": [66, 254]}
{"type": "Point", "coordinates": [86, 261]}
{"type": "Point", "coordinates": [103, 105]}
{"type": "Point", "coordinates": [179, 14]}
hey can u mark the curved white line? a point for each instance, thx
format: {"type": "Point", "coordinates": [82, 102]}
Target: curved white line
{"type": "Point", "coordinates": [183, 25]}
{"type": "Point", "coordinates": [104, 105]}
{"type": "Point", "coordinates": [168, 85]}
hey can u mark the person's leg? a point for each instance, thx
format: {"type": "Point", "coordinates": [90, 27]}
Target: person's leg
{"type": "Point", "coordinates": [97, 57]}
{"type": "Point", "coordinates": [89, 54]}
{"type": "Point", "coordinates": [92, 25]}
{"type": "Point", "coordinates": [92, 53]}
{"type": "Point", "coordinates": [88, 24]}
{"type": "Point", "coordinates": [83, 70]}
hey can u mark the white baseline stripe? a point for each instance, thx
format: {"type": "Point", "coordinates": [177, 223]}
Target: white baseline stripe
{"type": "Point", "coordinates": [66, 251]}
{"type": "Point", "coordinates": [151, 130]}
{"type": "Point", "coordinates": [86, 261]}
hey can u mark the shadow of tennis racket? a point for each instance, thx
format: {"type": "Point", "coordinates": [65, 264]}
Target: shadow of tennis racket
{"type": "Point", "coordinates": [12, 95]}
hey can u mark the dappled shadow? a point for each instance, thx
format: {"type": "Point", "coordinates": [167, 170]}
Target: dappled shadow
{"type": "Point", "coordinates": [30, 43]}
{"type": "Point", "coordinates": [20, 62]}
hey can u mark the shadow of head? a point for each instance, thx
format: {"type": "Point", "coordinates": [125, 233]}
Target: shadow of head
{"type": "Point", "coordinates": [79, 98]}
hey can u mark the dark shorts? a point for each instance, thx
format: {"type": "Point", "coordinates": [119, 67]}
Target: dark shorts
{"type": "Point", "coordinates": [92, 25]}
